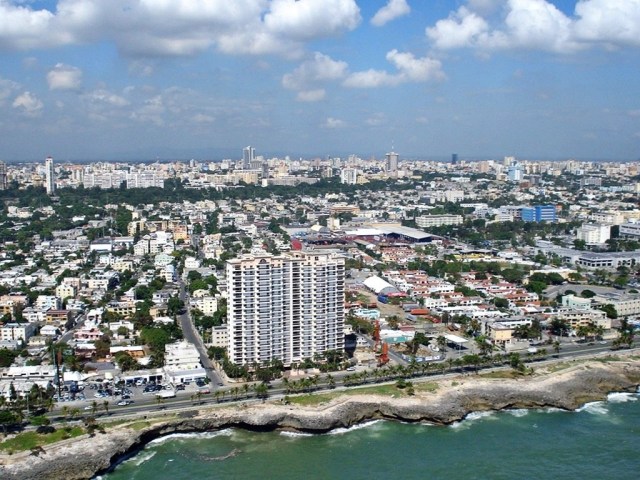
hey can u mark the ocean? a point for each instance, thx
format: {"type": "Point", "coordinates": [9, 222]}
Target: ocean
{"type": "Point", "coordinates": [599, 441]}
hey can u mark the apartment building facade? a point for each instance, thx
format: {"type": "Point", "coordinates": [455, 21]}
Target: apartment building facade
{"type": "Point", "coordinates": [288, 307]}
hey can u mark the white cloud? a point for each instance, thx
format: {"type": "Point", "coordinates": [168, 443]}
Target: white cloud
{"type": "Point", "coordinates": [143, 28]}
{"type": "Point", "coordinates": [331, 122]}
{"type": "Point", "coordinates": [392, 10]}
{"type": "Point", "coordinates": [312, 73]}
{"type": "Point", "coordinates": [611, 21]}
{"type": "Point", "coordinates": [28, 104]}
{"type": "Point", "coordinates": [540, 25]}
{"type": "Point", "coordinates": [102, 96]}
{"type": "Point", "coordinates": [320, 68]}
{"type": "Point", "coordinates": [409, 69]}
{"type": "Point", "coordinates": [461, 29]}
{"type": "Point", "coordinates": [311, 95]}
{"type": "Point", "coordinates": [7, 89]}
{"type": "Point", "coordinates": [309, 19]}
{"type": "Point", "coordinates": [202, 118]}
{"type": "Point", "coordinates": [376, 119]}
{"type": "Point", "coordinates": [64, 77]}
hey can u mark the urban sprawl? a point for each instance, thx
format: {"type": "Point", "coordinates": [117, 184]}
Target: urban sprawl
{"type": "Point", "coordinates": [133, 285]}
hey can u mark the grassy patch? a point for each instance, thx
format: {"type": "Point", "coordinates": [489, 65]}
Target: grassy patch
{"type": "Point", "coordinates": [608, 359]}
{"type": "Point", "coordinates": [313, 399]}
{"type": "Point", "coordinates": [29, 440]}
{"type": "Point", "coordinates": [430, 387]}
{"type": "Point", "coordinates": [510, 374]}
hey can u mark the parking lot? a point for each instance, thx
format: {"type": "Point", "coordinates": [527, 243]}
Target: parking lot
{"type": "Point", "coordinates": [121, 394]}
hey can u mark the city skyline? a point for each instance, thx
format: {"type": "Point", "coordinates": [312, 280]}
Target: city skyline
{"type": "Point", "coordinates": [538, 79]}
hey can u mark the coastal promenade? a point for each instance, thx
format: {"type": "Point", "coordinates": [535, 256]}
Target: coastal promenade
{"type": "Point", "coordinates": [564, 384]}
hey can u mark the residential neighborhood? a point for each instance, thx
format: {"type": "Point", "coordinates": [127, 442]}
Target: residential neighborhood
{"type": "Point", "coordinates": [206, 276]}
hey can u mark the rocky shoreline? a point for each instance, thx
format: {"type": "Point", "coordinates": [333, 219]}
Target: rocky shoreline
{"type": "Point", "coordinates": [453, 400]}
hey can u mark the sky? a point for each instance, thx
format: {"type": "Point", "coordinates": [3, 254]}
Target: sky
{"type": "Point", "coordinates": [180, 79]}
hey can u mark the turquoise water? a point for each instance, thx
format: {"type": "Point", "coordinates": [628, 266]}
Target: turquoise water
{"type": "Point", "coordinates": [600, 441]}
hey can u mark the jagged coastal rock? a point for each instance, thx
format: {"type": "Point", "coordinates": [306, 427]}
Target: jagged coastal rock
{"type": "Point", "coordinates": [453, 399]}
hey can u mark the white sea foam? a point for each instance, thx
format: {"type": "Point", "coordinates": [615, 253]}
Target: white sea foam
{"type": "Point", "coordinates": [594, 408]}
{"type": "Point", "coordinates": [340, 431]}
{"type": "Point", "coordinates": [518, 412]}
{"type": "Point", "coordinates": [471, 417]}
{"type": "Point", "coordinates": [295, 434]}
{"type": "Point", "coordinates": [183, 436]}
{"type": "Point", "coordinates": [552, 410]}
{"type": "Point", "coordinates": [621, 397]}
{"type": "Point", "coordinates": [141, 458]}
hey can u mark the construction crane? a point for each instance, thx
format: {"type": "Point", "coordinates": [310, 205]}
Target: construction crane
{"type": "Point", "coordinates": [381, 349]}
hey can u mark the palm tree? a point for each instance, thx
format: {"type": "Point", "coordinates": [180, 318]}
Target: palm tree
{"type": "Point", "coordinates": [330, 380]}
{"type": "Point", "coordinates": [105, 405]}
{"type": "Point", "coordinates": [65, 411]}
{"type": "Point", "coordinates": [160, 401]}
{"type": "Point", "coordinates": [261, 390]}
{"type": "Point", "coordinates": [450, 362]}
{"type": "Point", "coordinates": [94, 407]}
{"type": "Point", "coordinates": [235, 391]}
{"type": "Point", "coordinates": [245, 389]}
{"type": "Point", "coordinates": [556, 348]}
{"type": "Point", "coordinates": [217, 394]}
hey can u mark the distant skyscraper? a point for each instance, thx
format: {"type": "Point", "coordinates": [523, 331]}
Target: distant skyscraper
{"type": "Point", "coordinates": [454, 158]}
{"type": "Point", "coordinates": [3, 176]}
{"type": "Point", "coordinates": [392, 163]}
{"type": "Point", "coordinates": [50, 178]}
{"type": "Point", "coordinates": [515, 172]}
{"type": "Point", "coordinates": [248, 156]}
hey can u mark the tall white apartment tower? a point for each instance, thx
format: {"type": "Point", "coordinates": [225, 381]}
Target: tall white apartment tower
{"type": "Point", "coordinates": [287, 307]}
{"type": "Point", "coordinates": [392, 163]}
{"type": "Point", "coordinates": [248, 156]}
{"type": "Point", "coordinates": [50, 178]}
{"type": "Point", "coordinates": [3, 176]}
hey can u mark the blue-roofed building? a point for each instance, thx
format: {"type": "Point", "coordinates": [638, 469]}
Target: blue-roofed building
{"type": "Point", "coordinates": [539, 213]}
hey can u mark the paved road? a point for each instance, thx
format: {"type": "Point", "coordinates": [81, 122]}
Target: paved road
{"type": "Point", "coordinates": [192, 336]}
{"type": "Point", "coordinates": [183, 401]}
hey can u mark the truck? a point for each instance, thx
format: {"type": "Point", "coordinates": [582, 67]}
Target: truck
{"type": "Point", "coordinates": [166, 394]}
{"type": "Point", "coordinates": [532, 350]}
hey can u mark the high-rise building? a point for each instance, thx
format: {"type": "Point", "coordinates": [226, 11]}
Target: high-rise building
{"type": "Point", "coordinates": [392, 162]}
{"type": "Point", "coordinates": [288, 307]}
{"type": "Point", "coordinates": [3, 176]}
{"type": "Point", "coordinates": [349, 176]}
{"type": "Point", "coordinates": [50, 176]}
{"type": "Point", "coordinates": [515, 172]}
{"type": "Point", "coordinates": [454, 158]}
{"type": "Point", "coordinates": [248, 156]}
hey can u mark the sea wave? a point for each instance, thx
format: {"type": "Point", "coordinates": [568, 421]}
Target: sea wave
{"type": "Point", "coordinates": [518, 412]}
{"type": "Point", "coordinates": [551, 410]}
{"type": "Point", "coordinates": [340, 431]}
{"type": "Point", "coordinates": [472, 417]}
{"type": "Point", "coordinates": [621, 397]}
{"type": "Point", "coordinates": [594, 408]}
{"type": "Point", "coordinates": [295, 434]}
{"type": "Point", "coordinates": [137, 460]}
{"type": "Point", "coordinates": [184, 436]}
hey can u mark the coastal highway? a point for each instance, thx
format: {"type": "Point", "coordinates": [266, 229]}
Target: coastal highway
{"type": "Point", "coordinates": [186, 401]}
